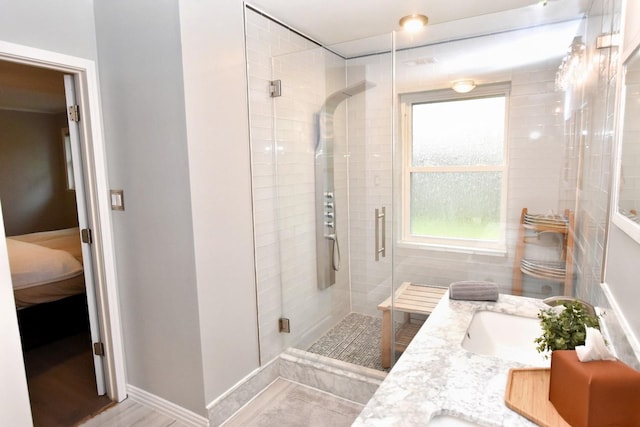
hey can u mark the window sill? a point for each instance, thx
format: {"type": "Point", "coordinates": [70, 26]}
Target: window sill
{"type": "Point", "coordinates": [498, 252]}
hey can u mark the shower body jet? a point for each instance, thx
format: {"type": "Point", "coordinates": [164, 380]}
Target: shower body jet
{"type": "Point", "coordinates": [327, 244]}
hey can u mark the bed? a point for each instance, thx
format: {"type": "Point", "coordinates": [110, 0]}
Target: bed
{"type": "Point", "coordinates": [45, 266]}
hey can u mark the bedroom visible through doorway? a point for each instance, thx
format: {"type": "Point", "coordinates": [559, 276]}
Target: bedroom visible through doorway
{"type": "Point", "coordinates": [42, 221]}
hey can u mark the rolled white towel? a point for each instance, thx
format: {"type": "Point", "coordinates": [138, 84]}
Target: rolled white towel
{"type": "Point", "coordinates": [473, 290]}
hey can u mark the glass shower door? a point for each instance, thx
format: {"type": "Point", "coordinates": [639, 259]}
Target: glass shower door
{"type": "Point", "coordinates": [333, 172]}
{"type": "Point", "coordinates": [321, 165]}
{"type": "Point", "coordinates": [312, 208]}
{"type": "Point", "coordinates": [370, 187]}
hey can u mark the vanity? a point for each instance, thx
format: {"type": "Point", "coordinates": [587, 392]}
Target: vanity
{"type": "Point", "coordinates": [439, 382]}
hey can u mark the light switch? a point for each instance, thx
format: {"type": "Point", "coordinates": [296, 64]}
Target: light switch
{"type": "Point", "coordinates": [117, 200]}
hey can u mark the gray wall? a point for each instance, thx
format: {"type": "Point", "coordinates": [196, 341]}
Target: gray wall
{"type": "Point", "coordinates": [64, 26]}
{"type": "Point", "coordinates": [178, 341]}
{"type": "Point", "coordinates": [33, 185]}
{"type": "Point", "coordinates": [219, 166]}
{"type": "Point", "coordinates": [140, 67]}
{"type": "Point", "coordinates": [623, 271]}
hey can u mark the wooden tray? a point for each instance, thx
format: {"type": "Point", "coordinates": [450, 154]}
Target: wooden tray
{"type": "Point", "coordinates": [528, 394]}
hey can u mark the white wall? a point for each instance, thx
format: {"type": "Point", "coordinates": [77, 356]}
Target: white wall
{"type": "Point", "coordinates": [140, 67]}
{"type": "Point", "coordinates": [14, 396]}
{"type": "Point", "coordinates": [66, 27]}
{"type": "Point", "coordinates": [219, 169]}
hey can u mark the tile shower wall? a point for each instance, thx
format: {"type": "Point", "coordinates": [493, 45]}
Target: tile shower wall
{"type": "Point", "coordinates": [283, 134]}
{"type": "Point", "coordinates": [594, 118]}
{"type": "Point", "coordinates": [544, 155]}
{"type": "Point", "coordinates": [536, 161]}
{"type": "Point", "coordinates": [596, 124]}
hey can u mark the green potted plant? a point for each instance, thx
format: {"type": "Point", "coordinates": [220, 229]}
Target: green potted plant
{"type": "Point", "coordinates": [566, 329]}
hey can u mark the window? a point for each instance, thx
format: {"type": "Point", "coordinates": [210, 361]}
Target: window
{"type": "Point", "coordinates": [68, 162]}
{"type": "Point", "coordinates": [454, 168]}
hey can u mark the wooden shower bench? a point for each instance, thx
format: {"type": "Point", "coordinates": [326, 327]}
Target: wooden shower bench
{"type": "Point", "coordinates": [409, 298]}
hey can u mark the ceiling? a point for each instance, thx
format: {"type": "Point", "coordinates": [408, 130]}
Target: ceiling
{"type": "Point", "coordinates": [349, 27]}
{"type": "Point", "coordinates": [33, 89]}
{"type": "Point", "coordinates": [359, 27]}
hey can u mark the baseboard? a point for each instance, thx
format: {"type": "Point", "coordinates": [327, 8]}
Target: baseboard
{"type": "Point", "coordinates": [223, 407]}
{"type": "Point", "coordinates": [350, 382]}
{"type": "Point", "coordinates": [167, 408]}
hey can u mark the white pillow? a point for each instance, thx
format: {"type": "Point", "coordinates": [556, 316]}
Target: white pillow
{"type": "Point", "coordinates": [33, 265]}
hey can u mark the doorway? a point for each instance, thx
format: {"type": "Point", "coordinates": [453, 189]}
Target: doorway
{"type": "Point", "coordinates": [100, 253]}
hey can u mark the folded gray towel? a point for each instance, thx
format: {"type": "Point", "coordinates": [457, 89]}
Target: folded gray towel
{"type": "Point", "coordinates": [473, 290]}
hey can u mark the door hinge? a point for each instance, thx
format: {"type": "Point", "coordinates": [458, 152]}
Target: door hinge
{"type": "Point", "coordinates": [86, 235]}
{"type": "Point", "coordinates": [275, 88]}
{"type": "Point", "coordinates": [283, 325]}
{"type": "Point", "coordinates": [74, 113]}
{"type": "Point", "coordinates": [98, 349]}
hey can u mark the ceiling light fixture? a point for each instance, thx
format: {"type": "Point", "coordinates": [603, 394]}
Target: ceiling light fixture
{"type": "Point", "coordinates": [414, 22]}
{"type": "Point", "coordinates": [463, 86]}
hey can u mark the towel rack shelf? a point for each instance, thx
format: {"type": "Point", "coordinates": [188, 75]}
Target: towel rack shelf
{"type": "Point", "coordinates": [561, 270]}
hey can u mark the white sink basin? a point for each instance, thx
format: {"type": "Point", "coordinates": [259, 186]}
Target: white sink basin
{"type": "Point", "coordinates": [450, 421]}
{"type": "Point", "coordinates": [506, 336]}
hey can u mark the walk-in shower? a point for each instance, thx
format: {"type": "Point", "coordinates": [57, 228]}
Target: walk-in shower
{"type": "Point", "coordinates": [321, 167]}
{"type": "Point", "coordinates": [327, 244]}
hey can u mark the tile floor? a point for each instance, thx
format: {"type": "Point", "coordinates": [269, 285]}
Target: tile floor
{"type": "Point", "coordinates": [283, 403]}
{"type": "Point", "coordinates": [288, 404]}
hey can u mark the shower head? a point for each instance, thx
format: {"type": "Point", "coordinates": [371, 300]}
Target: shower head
{"type": "Point", "coordinates": [358, 87]}
{"type": "Point", "coordinates": [336, 98]}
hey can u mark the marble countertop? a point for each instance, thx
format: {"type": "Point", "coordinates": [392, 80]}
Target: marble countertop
{"type": "Point", "coordinates": [435, 375]}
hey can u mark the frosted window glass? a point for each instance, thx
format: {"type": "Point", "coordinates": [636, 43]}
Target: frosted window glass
{"type": "Point", "coordinates": [455, 168]}
{"type": "Point", "coordinates": [464, 205]}
{"type": "Point", "coordinates": [458, 132]}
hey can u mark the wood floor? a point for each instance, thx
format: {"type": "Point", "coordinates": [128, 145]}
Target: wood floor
{"type": "Point", "coordinates": [61, 379]}
{"type": "Point", "coordinates": [130, 413]}
{"type": "Point", "coordinates": [282, 404]}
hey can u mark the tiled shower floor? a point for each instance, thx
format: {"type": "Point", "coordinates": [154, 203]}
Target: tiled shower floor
{"type": "Point", "coordinates": [356, 339]}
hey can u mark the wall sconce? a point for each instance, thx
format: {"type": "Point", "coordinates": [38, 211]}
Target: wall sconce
{"type": "Point", "coordinates": [463, 86]}
{"type": "Point", "coordinates": [414, 22]}
{"type": "Point", "coordinates": [572, 70]}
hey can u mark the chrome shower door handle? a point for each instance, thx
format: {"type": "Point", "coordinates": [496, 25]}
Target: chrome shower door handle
{"type": "Point", "coordinates": [380, 230]}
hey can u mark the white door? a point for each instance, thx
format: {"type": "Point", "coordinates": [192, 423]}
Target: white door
{"type": "Point", "coordinates": [83, 222]}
